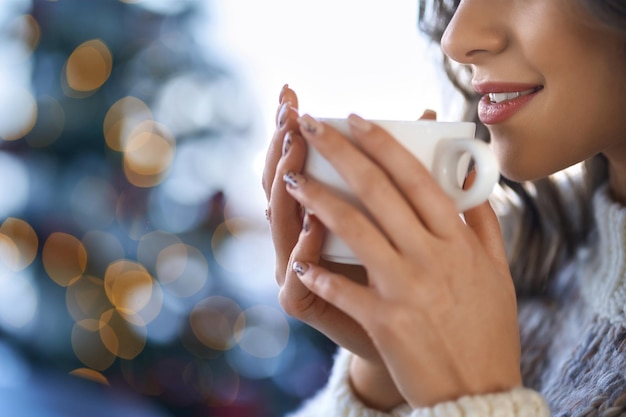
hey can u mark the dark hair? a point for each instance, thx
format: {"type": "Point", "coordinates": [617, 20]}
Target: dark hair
{"type": "Point", "coordinates": [551, 220]}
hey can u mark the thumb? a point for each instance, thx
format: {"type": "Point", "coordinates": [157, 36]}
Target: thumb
{"type": "Point", "coordinates": [428, 115]}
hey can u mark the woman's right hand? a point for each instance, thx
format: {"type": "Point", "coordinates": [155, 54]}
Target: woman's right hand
{"type": "Point", "coordinates": [297, 235]}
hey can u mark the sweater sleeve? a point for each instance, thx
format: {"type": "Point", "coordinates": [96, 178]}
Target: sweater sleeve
{"type": "Point", "coordinates": [337, 399]}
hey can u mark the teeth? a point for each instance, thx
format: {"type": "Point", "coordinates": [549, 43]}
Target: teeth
{"type": "Point", "coordinates": [500, 97]}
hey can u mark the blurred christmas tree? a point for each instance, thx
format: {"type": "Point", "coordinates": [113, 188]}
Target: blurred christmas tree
{"type": "Point", "coordinates": [122, 258]}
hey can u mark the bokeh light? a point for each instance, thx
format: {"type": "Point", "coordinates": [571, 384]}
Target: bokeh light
{"type": "Point", "coordinates": [182, 269]}
{"type": "Point", "coordinates": [24, 241]}
{"type": "Point", "coordinates": [266, 332]}
{"type": "Point", "coordinates": [148, 154]}
{"type": "Point", "coordinates": [88, 345]}
{"type": "Point", "coordinates": [122, 338]}
{"type": "Point", "coordinates": [9, 253]}
{"type": "Point", "coordinates": [19, 111]}
{"type": "Point", "coordinates": [86, 299]}
{"type": "Point", "coordinates": [216, 322]}
{"type": "Point", "coordinates": [122, 118]}
{"type": "Point", "coordinates": [91, 375]}
{"type": "Point", "coordinates": [64, 258]}
{"type": "Point", "coordinates": [15, 184]}
{"type": "Point", "coordinates": [89, 66]}
{"type": "Point", "coordinates": [27, 28]}
{"type": "Point", "coordinates": [18, 299]}
{"type": "Point", "coordinates": [130, 288]}
{"type": "Point", "coordinates": [233, 232]}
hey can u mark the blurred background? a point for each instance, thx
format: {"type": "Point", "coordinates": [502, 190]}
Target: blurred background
{"type": "Point", "coordinates": [136, 267]}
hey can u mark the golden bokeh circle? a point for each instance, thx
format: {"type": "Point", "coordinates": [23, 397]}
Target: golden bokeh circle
{"type": "Point", "coordinates": [89, 66]}
{"type": "Point", "coordinates": [64, 258]}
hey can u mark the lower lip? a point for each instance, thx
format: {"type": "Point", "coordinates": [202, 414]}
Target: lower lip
{"type": "Point", "coordinates": [493, 113]}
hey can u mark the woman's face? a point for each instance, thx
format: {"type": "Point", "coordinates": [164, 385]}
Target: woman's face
{"type": "Point", "coordinates": [553, 82]}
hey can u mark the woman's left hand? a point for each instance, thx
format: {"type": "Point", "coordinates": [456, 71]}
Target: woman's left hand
{"type": "Point", "coordinates": [439, 305]}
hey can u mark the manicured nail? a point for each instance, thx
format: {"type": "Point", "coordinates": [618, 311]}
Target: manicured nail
{"type": "Point", "coordinates": [283, 113]}
{"type": "Point", "coordinates": [300, 268]}
{"type": "Point", "coordinates": [282, 93]}
{"type": "Point", "coordinates": [310, 125]}
{"type": "Point", "coordinates": [359, 123]}
{"type": "Point", "coordinates": [286, 143]}
{"type": "Point", "coordinates": [292, 179]}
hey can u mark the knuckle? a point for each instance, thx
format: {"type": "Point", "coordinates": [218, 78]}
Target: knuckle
{"type": "Point", "coordinates": [321, 285]}
{"type": "Point", "coordinates": [377, 140]}
{"type": "Point", "coordinates": [417, 184]}
{"type": "Point", "coordinates": [372, 183]}
{"type": "Point", "coordinates": [298, 308]}
{"type": "Point", "coordinates": [287, 303]}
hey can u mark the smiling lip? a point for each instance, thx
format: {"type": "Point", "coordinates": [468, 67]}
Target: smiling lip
{"type": "Point", "coordinates": [490, 112]}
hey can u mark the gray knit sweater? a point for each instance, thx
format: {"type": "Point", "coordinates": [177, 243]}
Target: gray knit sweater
{"type": "Point", "coordinates": [573, 344]}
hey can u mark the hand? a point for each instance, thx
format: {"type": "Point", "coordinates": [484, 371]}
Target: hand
{"type": "Point", "coordinates": [296, 236]}
{"type": "Point", "coordinates": [439, 305]}
{"type": "Point", "coordinates": [291, 240]}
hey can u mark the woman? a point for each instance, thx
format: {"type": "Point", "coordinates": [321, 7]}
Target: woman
{"type": "Point", "coordinates": [430, 326]}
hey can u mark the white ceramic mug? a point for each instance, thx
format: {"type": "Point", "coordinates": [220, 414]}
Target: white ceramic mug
{"type": "Point", "coordinates": [445, 149]}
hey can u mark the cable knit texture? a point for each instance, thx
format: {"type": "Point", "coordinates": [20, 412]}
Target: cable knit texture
{"type": "Point", "coordinates": [573, 344]}
{"type": "Point", "coordinates": [604, 284]}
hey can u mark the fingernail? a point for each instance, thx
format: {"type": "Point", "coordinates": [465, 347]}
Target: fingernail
{"type": "Point", "coordinates": [292, 179]}
{"type": "Point", "coordinates": [282, 93]}
{"type": "Point", "coordinates": [359, 123]}
{"type": "Point", "coordinates": [283, 113]}
{"type": "Point", "coordinates": [300, 268]}
{"type": "Point", "coordinates": [310, 125]}
{"type": "Point", "coordinates": [287, 143]}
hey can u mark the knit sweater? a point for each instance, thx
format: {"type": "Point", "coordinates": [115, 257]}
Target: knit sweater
{"type": "Point", "coordinates": [573, 344]}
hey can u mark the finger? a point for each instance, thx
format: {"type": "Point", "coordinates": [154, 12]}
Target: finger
{"type": "Point", "coordinates": [436, 210]}
{"type": "Point", "coordinates": [288, 94]}
{"type": "Point", "coordinates": [353, 299]}
{"type": "Point", "coordinates": [343, 219]}
{"type": "Point", "coordinates": [284, 212]}
{"type": "Point", "coordinates": [307, 248]}
{"type": "Point", "coordinates": [484, 222]}
{"type": "Point", "coordinates": [300, 302]}
{"type": "Point", "coordinates": [287, 116]}
{"type": "Point", "coordinates": [381, 197]}
{"type": "Point", "coordinates": [429, 115]}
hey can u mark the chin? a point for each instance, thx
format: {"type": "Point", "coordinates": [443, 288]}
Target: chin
{"type": "Point", "coordinates": [515, 170]}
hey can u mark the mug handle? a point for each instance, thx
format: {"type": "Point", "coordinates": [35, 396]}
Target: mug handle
{"type": "Point", "coordinates": [451, 160]}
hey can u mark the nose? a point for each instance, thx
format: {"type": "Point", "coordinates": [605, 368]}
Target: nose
{"type": "Point", "coordinates": [476, 30]}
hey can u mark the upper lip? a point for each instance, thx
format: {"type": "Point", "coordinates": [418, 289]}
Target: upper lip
{"type": "Point", "coordinates": [502, 87]}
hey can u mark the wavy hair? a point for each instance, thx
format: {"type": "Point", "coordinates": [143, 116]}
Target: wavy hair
{"type": "Point", "coordinates": [552, 216]}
